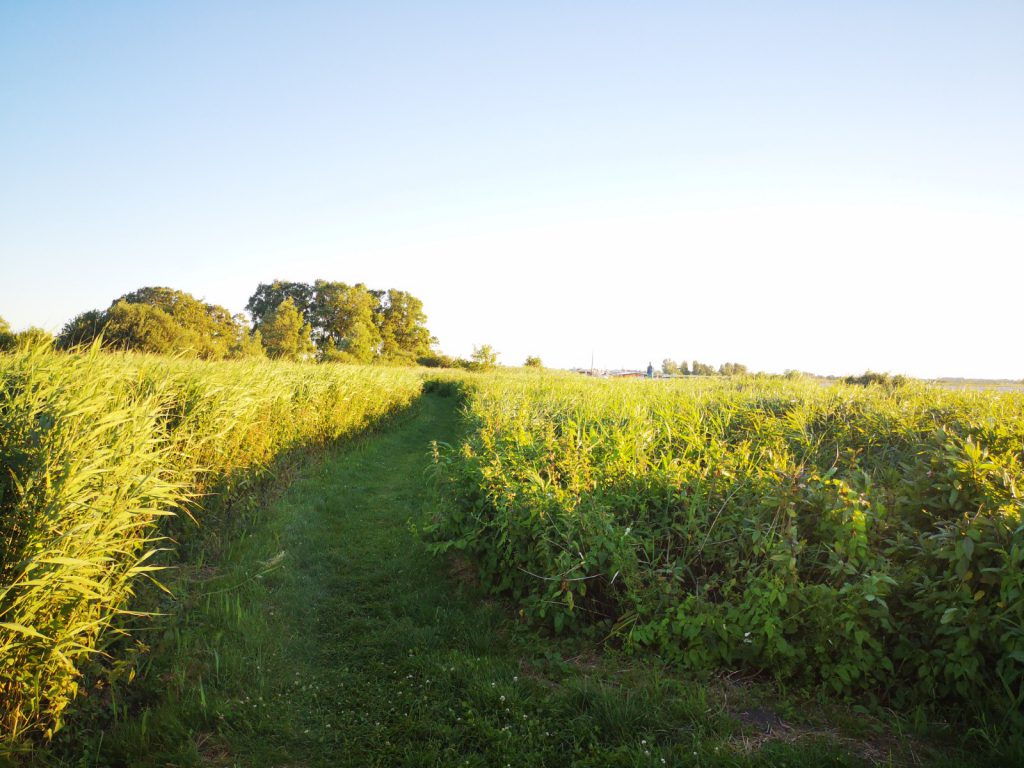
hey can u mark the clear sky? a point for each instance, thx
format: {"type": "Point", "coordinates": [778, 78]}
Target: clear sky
{"type": "Point", "coordinates": [820, 186]}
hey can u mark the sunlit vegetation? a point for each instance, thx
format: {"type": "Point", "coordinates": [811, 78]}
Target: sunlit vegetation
{"type": "Point", "coordinates": [29, 337]}
{"type": "Point", "coordinates": [350, 323]}
{"type": "Point", "coordinates": [670, 367]}
{"type": "Point", "coordinates": [863, 540]}
{"type": "Point", "coordinates": [105, 456]}
{"type": "Point", "coordinates": [859, 541]}
{"type": "Point", "coordinates": [326, 321]}
{"type": "Point", "coordinates": [328, 636]}
{"type": "Point", "coordinates": [8, 340]}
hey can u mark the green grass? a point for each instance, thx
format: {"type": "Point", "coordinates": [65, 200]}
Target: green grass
{"type": "Point", "coordinates": [328, 636]}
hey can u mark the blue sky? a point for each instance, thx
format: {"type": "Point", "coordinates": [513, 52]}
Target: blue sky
{"type": "Point", "coordinates": [789, 185]}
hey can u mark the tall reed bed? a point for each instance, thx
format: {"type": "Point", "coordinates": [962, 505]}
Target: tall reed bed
{"type": "Point", "coordinates": [96, 449]}
{"type": "Point", "coordinates": [866, 539]}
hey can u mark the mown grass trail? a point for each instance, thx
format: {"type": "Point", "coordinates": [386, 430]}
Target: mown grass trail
{"type": "Point", "coordinates": [329, 636]}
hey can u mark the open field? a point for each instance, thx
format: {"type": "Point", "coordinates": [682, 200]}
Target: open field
{"type": "Point", "coordinates": [731, 571]}
{"type": "Point", "coordinates": [986, 385]}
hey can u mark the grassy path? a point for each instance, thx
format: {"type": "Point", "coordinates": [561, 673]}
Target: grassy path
{"type": "Point", "coordinates": [330, 637]}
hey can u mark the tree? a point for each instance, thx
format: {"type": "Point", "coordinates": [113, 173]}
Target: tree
{"type": "Point", "coordinates": [403, 330]}
{"type": "Point", "coordinates": [440, 360]}
{"type": "Point", "coordinates": [884, 380]}
{"type": "Point", "coordinates": [8, 340]}
{"type": "Point", "coordinates": [352, 323]}
{"type": "Point", "coordinates": [345, 323]}
{"type": "Point", "coordinates": [285, 333]}
{"type": "Point", "coordinates": [669, 367]}
{"type": "Point", "coordinates": [732, 369]}
{"type": "Point", "coordinates": [268, 298]}
{"type": "Point", "coordinates": [34, 337]}
{"type": "Point", "coordinates": [484, 356]}
{"type": "Point", "coordinates": [162, 320]}
{"type": "Point", "coordinates": [533, 362]}
{"type": "Point", "coordinates": [145, 328]}
{"type": "Point", "coordinates": [246, 343]}
{"type": "Point", "coordinates": [208, 330]}
{"type": "Point", "coordinates": [81, 329]}
{"type": "Point", "coordinates": [703, 369]}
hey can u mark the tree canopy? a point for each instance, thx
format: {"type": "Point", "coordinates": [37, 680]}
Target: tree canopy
{"type": "Point", "coordinates": [484, 356]}
{"type": "Point", "coordinates": [285, 332]}
{"type": "Point", "coordinates": [331, 321]}
{"type": "Point", "coordinates": [672, 368]}
{"type": "Point", "coordinates": [8, 340]}
{"type": "Point", "coordinates": [352, 323]}
{"type": "Point", "coordinates": [163, 320]}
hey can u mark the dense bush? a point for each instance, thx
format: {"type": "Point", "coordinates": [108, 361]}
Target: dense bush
{"type": "Point", "coordinates": [439, 360]}
{"type": "Point", "coordinates": [8, 340]}
{"type": "Point", "coordinates": [886, 380]}
{"type": "Point", "coordinates": [868, 539]}
{"type": "Point", "coordinates": [96, 449]}
{"type": "Point", "coordinates": [164, 321]}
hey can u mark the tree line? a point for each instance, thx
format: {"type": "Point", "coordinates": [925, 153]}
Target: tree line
{"type": "Point", "coordinates": [697, 368]}
{"type": "Point", "coordinates": [325, 320]}
{"type": "Point", "coordinates": [10, 340]}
